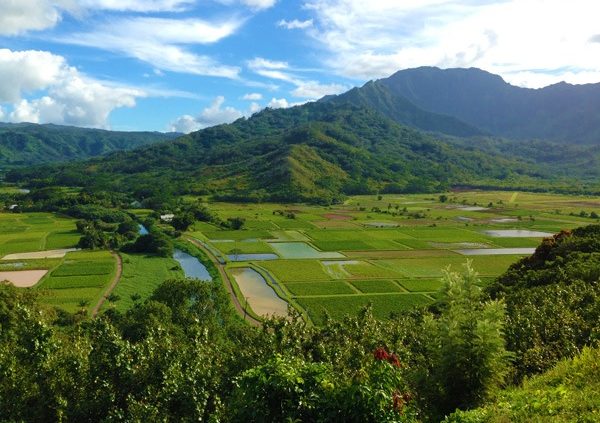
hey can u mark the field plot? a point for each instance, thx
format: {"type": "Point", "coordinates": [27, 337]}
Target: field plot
{"type": "Point", "coordinates": [79, 281]}
{"type": "Point", "coordinates": [29, 232]}
{"type": "Point", "coordinates": [339, 306]}
{"type": "Point", "coordinates": [391, 250]}
{"type": "Point", "coordinates": [141, 275]}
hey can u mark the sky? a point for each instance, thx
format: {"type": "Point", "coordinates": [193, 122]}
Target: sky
{"type": "Point", "coordinates": [183, 65]}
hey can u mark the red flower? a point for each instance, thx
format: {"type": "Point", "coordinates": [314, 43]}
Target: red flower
{"type": "Point", "coordinates": [381, 354]}
{"type": "Point", "coordinates": [394, 360]}
{"type": "Point", "coordinates": [398, 401]}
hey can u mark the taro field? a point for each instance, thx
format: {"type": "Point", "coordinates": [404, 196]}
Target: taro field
{"type": "Point", "coordinates": [41, 244]}
{"type": "Point", "coordinates": [388, 251]}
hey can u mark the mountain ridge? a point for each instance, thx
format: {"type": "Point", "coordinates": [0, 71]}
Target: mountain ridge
{"type": "Point", "coordinates": [30, 143]}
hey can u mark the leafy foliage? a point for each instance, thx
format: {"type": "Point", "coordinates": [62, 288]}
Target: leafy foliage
{"type": "Point", "coordinates": [553, 300]}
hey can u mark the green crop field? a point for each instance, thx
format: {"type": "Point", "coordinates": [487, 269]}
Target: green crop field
{"type": "Point", "coordinates": [392, 266]}
{"type": "Point", "coordinates": [339, 306]}
{"type": "Point", "coordinates": [377, 286]}
{"type": "Point", "coordinates": [28, 232]}
{"type": "Point", "coordinates": [79, 280]}
{"type": "Point", "coordinates": [141, 275]}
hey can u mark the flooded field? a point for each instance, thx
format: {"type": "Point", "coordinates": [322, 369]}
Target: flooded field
{"type": "Point", "coordinates": [261, 298]}
{"type": "Point", "coordinates": [300, 250]}
{"type": "Point", "coordinates": [191, 266]}
{"type": "Point", "coordinates": [496, 251]}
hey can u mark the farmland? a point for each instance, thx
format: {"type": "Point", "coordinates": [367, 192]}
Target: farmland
{"type": "Point", "coordinates": [74, 280]}
{"type": "Point", "coordinates": [389, 251]}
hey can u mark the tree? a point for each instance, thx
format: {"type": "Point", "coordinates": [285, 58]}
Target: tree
{"type": "Point", "coordinates": [182, 221]}
{"type": "Point", "coordinates": [469, 361]}
{"type": "Point", "coordinates": [236, 223]}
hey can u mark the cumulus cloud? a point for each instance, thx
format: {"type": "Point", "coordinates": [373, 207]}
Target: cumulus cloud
{"type": "Point", "coordinates": [163, 49]}
{"type": "Point", "coordinates": [295, 24]}
{"type": "Point", "coordinates": [65, 95]}
{"type": "Point", "coordinates": [27, 71]}
{"type": "Point", "coordinates": [366, 40]}
{"type": "Point", "coordinates": [252, 96]}
{"type": "Point", "coordinates": [19, 16]}
{"type": "Point", "coordinates": [278, 103]}
{"type": "Point", "coordinates": [214, 114]}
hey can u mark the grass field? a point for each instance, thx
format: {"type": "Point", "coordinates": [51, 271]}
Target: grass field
{"type": "Point", "coordinates": [141, 275]}
{"type": "Point", "coordinates": [79, 280]}
{"type": "Point", "coordinates": [396, 267]}
{"type": "Point", "coordinates": [26, 232]}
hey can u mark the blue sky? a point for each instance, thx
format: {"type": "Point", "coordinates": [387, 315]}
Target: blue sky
{"type": "Point", "coordinates": [187, 64]}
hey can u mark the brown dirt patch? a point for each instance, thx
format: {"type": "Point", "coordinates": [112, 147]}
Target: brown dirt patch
{"type": "Point", "coordinates": [23, 278]}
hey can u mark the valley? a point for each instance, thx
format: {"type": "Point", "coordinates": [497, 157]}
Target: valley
{"type": "Point", "coordinates": [387, 250]}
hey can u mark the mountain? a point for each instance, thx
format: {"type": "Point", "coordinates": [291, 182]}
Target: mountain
{"type": "Point", "coordinates": [560, 112]}
{"type": "Point", "coordinates": [316, 152]}
{"type": "Point", "coordinates": [28, 143]}
{"type": "Point", "coordinates": [377, 96]}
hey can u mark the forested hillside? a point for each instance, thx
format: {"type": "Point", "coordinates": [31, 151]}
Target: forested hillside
{"type": "Point", "coordinates": [317, 152]}
{"type": "Point", "coordinates": [26, 144]}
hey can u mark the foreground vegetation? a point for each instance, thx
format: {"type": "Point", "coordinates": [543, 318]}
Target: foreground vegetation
{"type": "Point", "coordinates": [184, 354]}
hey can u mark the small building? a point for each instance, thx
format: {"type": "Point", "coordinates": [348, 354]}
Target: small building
{"type": "Point", "coordinates": [167, 217]}
{"type": "Point", "coordinates": [13, 206]}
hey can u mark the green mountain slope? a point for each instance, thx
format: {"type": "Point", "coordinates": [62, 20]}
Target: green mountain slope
{"type": "Point", "coordinates": [316, 152]}
{"type": "Point", "coordinates": [27, 143]}
{"type": "Point", "coordinates": [560, 112]}
{"type": "Point", "coordinates": [377, 96]}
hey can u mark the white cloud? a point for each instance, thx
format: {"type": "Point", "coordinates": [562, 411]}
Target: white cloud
{"type": "Point", "coordinates": [138, 5]}
{"type": "Point", "coordinates": [1, 113]}
{"type": "Point", "coordinates": [185, 124]}
{"type": "Point", "coordinates": [278, 103]}
{"type": "Point", "coordinates": [259, 4]}
{"type": "Point", "coordinates": [252, 4]}
{"type": "Point", "coordinates": [295, 24]}
{"type": "Point", "coordinates": [303, 88]}
{"type": "Point", "coordinates": [27, 71]}
{"type": "Point", "coordinates": [19, 16]}
{"type": "Point", "coordinates": [255, 107]}
{"type": "Point", "coordinates": [315, 90]}
{"type": "Point", "coordinates": [139, 38]}
{"type": "Point", "coordinates": [366, 40]}
{"type": "Point", "coordinates": [252, 96]}
{"type": "Point", "coordinates": [262, 63]}
{"type": "Point", "coordinates": [213, 115]}
{"type": "Point", "coordinates": [67, 96]}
